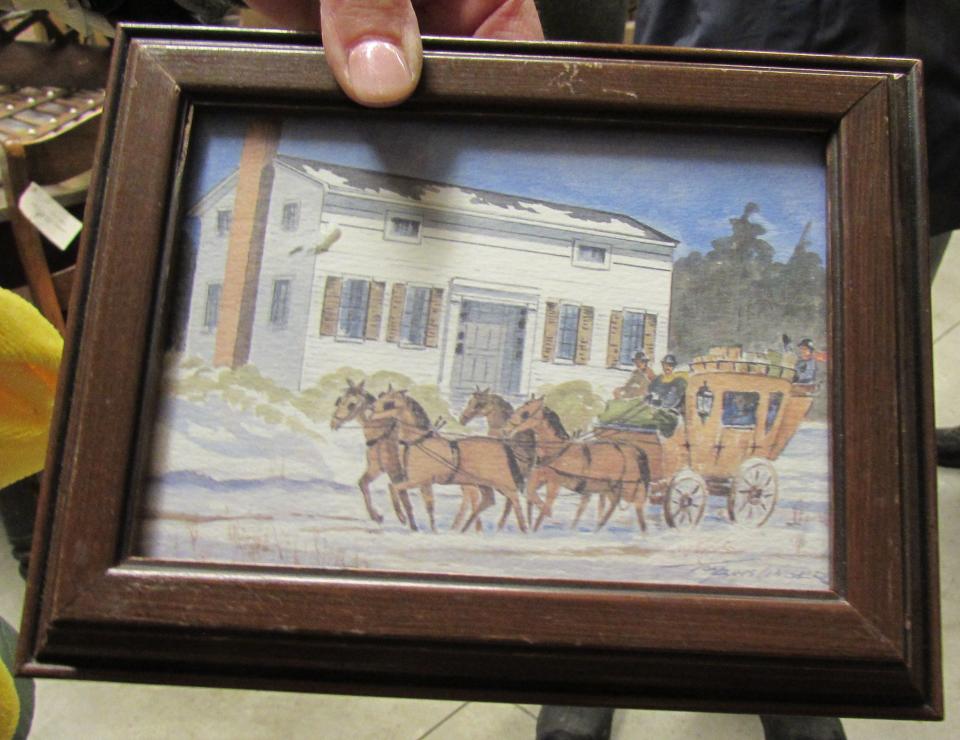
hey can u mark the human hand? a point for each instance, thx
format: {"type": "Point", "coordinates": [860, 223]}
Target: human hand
{"type": "Point", "coordinates": [373, 46]}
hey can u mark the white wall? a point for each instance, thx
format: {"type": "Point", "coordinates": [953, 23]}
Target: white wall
{"type": "Point", "coordinates": [210, 266]}
{"type": "Point", "coordinates": [277, 351]}
{"type": "Point", "coordinates": [537, 266]}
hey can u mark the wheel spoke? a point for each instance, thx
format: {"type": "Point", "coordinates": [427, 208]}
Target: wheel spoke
{"type": "Point", "coordinates": [685, 500]}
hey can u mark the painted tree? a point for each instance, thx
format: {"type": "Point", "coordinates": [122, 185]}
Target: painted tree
{"type": "Point", "coordinates": [737, 293]}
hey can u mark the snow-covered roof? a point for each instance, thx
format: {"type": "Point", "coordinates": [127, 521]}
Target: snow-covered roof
{"type": "Point", "coordinates": [214, 194]}
{"type": "Point", "coordinates": [402, 190]}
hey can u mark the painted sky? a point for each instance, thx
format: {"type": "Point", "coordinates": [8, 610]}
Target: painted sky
{"type": "Point", "coordinates": [683, 183]}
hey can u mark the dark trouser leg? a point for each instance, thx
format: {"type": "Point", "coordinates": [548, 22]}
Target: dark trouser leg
{"type": "Point", "coordinates": [576, 20]}
{"type": "Point", "coordinates": [780, 727]}
{"type": "Point", "coordinates": [574, 723]}
{"type": "Point", "coordinates": [948, 439]}
{"type": "Point", "coordinates": [948, 447]}
{"type": "Point", "coordinates": [938, 245]}
{"type": "Point", "coordinates": [18, 510]}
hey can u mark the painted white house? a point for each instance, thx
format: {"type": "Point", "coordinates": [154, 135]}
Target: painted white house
{"type": "Point", "coordinates": [448, 285]}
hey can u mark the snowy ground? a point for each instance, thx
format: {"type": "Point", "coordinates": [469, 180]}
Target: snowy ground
{"type": "Point", "coordinates": [230, 487]}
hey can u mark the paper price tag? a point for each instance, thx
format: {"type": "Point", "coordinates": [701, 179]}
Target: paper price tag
{"type": "Point", "coordinates": [51, 219]}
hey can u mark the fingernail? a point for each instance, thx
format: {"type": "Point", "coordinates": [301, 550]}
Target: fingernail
{"type": "Point", "coordinates": [378, 72]}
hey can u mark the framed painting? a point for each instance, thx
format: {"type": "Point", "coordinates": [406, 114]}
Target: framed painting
{"type": "Point", "coordinates": [589, 375]}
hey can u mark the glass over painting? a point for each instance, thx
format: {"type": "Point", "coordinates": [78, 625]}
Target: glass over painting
{"type": "Point", "coordinates": [482, 348]}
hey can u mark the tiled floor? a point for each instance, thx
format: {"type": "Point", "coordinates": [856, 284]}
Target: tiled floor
{"type": "Point", "coordinates": [68, 709]}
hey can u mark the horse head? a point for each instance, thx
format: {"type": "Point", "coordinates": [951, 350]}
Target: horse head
{"type": "Point", "coordinates": [527, 416]}
{"type": "Point", "coordinates": [353, 402]}
{"type": "Point", "coordinates": [390, 404]}
{"type": "Point", "coordinates": [408, 414]}
{"type": "Point", "coordinates": [476, 406]}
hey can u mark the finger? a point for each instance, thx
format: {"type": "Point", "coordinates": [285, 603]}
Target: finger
{"type": "Point", "coordinates": [373, 48]}
{"type": "Point", "coordinates": [494, 19]}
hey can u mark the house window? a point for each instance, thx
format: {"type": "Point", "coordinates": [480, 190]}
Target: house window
{"type": "Point", "coordinates": [224, 221]}
{"type": "Point", "coordinates": [567, 329]}
{"type": "Point", "coordinates": [591, 255]}
{"type": "Point", "coordinates": [211, 310]}
{"type": "Point", "coordinates": [280, 303]}
{"type": "Point", "coordinates": [353, 308]}
{"type": "Point", "coordinates": [291, 216]}
{"type": "Point", "coordinates": [403, 228]}
{"type": "Point", "coordinates": [416, 308]}
{"type": "Point", "coordinates": [631, 340]}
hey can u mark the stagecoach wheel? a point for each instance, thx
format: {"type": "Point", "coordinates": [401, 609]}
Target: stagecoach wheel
{"type": "Point", "coordinates": [686, 499]}
{"type": "Point", "coordinates": [753, 494]}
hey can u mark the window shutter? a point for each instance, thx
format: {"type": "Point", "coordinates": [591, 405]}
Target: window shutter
{"type": "Point", "coordinates": [551, 321]}
{"type": "Point", "coordinates": [398, 297]}
{"type": "Point", "coordinates": [649, 335]}
{"type": "Point", "coordinates": [330, 314]}
{"type": "Point", "coordinates": [434, 314]}
{"type": "Point", "coordinates": [614, 338]}
{"type": "Point", "coordinates": [584, 336]}
{"type": "Point", "coordinates": [374, 310]}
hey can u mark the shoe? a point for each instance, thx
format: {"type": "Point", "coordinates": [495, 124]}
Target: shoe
{"type": "Point", "coordinates": [948, 447]}
{"type": "Point", "coordinates": [574, 723]}
{"type": "Point", "coordinates": [781, 727]}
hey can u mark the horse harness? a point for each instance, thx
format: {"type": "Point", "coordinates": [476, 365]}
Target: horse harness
{"type": "Point", "coordinates": [546, 462]}
{"type": "Point", "coordinates": [376, 440]}
{"type": "Point", "coordinates": [454, 445]}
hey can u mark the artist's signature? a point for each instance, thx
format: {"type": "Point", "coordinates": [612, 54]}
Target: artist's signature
{"type": "Point", "coordinates": [760, 574]}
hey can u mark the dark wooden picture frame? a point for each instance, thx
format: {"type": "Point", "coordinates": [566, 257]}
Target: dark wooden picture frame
{"type": "Point", "coordinates": [870, 646]}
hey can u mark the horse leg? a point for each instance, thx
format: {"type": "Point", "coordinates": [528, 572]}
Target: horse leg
{"type": "Point", "coordinates": [398, 507]}
{"type": "Point", "coordinates": [518, 510]}
{"type": "Point", "coordinates": [480, 504]}
{"type": "Point", "coordinates": [401, 494]}
{"type": "Point", "coordinates": [487, 499]}
{"type": "Point", "coordinates": [553, 488]}
{"type": "Point", "coordinates": [584, 500]}
{"type": "Point", "coordinates": [534, 481]}
{"type": "Point", "coordinates": [364, 484]}
{"type": "Point", "coordinates": [466, 503]}
{"type": "Point", "coordinates": [614, 503]}
{"type": "Point", "coordinates": [639, 502]}
{"type": "Point", "coordinates": [475, 508]}
{"type": "Point", "coordinates": [426, 492]}
{"type": "Point", "coordinates": [507, 508]}
{"type": "Point", "coordinates": [513, 502]}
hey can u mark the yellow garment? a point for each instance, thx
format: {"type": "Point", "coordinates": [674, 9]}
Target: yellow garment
{"type": "Point", "coordinates": [9, 702]}
{"type": "Point", "coordinates": [30, 350]}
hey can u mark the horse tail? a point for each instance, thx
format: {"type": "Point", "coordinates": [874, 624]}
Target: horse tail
{"type": "Point", "coordinates": [643, 463]}
{"type": "Point", "coordinates": [643, 487]}
{"type": "Point", "coordinates": [643, 466]}
{"type": "Point", "coordinates": [514, 466]}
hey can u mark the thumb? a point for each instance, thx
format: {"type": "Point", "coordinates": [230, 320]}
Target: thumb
{"type": "Point", "coordinates": [373, 48]}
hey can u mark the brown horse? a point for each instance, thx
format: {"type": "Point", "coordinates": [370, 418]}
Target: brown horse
{"type": "Point", "coordinates": [429, 459]}
{"type": "Point", "coordinates": [497, 412]}
{"type": "Point", "coordinates": [619, 471]}
{"type": "Point", "coordinates": [495, 409]}
{"type": "Point", "coordinates": [383, 453]}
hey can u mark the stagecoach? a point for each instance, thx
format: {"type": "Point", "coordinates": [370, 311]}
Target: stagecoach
{"type": "Point", "coordinates": [740, 411]}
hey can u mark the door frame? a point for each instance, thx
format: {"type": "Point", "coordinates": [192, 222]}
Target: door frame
{"type": "Point", "coordinates": [462, 289]}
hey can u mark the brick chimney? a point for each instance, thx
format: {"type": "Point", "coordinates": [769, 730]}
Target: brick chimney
{"type": "Point", "coordinates": [245, 250]}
